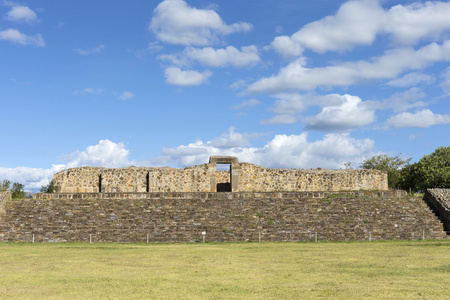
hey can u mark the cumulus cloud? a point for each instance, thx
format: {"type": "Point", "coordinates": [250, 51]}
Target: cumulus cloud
{"type": "Point", "coordinates": [126, 95]}
{"type": "Point", "coordinates": [283, 151]}
{"type": "Point", "coordinates": [21, 14]}
{"type": "Point", "coordinates": [350, 114]}
{"type": "Point", "coordinates": [421, 119]}
{"type": "Point", "coordinates": [176, 76]}
{"type": "Point", "coordinates": [338, 113]}
{"type": "Point", "coordinates": [286, 46]}
{"type": "Point", "coordinates": [296, 76]}
{"type": "Point", "coordinates": [95, 50]}
{"type": "Point", "coordinates": [17, 37]}
{"type": "Point", "coordinates": [104, 154]}
{"type": "Point", "coordinates": [360, 22]}
{"type": "Point", "coordinates": [31, 178]}
{"type": "Point", "coordinates": [211, 57]}
{"type": "Point", "coordinates": [175, 22]}
{"type": "Point", "coordinates": [246, 104]}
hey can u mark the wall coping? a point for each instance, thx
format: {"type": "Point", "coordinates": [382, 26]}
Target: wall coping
{"type": "Point", "coordinates": [222, 195]}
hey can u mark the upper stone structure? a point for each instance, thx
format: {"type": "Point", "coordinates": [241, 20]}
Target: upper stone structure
{"type": "Point", "coordinates": [242, 177]}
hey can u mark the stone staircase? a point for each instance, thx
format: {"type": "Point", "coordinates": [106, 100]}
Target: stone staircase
{"type": "Point", "coordinates": [223, 216]}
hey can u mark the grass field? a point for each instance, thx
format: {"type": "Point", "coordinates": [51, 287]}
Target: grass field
{"type": "Point", "coordinates": [356, 270]}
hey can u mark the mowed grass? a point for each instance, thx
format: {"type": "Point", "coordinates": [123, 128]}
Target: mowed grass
{"type": "Point", "coordinates": [356, 270]}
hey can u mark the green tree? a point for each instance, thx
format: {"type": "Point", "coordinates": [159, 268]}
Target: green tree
{"type": "Point", "coordinates": [431, 171]}
{"type": "Point", "coordinates": [17, 191]}
{"type": "Point", "coordinates": [49, 187]}
{"type": "Point", "coordinates": [393, 165]}
{"type": "Point", "coordinates": [5, 185]}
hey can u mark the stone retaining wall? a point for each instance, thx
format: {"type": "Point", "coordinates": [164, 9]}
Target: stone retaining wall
{"type": "Point", "coordinates": [439, 200]}
{"type": "Point", "coordinates": [182, 217]}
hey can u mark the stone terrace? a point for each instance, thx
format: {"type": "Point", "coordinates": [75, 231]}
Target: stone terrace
{"type": "Point", "coordinates": [182, 217]}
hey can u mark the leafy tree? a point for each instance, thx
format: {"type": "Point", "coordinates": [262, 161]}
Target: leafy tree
{"type": "Point", "coordinates": [5, 185]}
{"type": "Point", "coordinates": [393, 165]}
{"type": "Point", "coordinates": [49, 187]}
{"type": "Point", "coordinates": [17, 191]}
{"type": "Point", "coordinates": [432, 171]}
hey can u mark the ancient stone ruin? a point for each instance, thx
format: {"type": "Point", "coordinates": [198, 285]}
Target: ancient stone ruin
{"type": "Point", "coordinates": [259, 204]}
{"type": "Point", "coordinates": [242, 177]}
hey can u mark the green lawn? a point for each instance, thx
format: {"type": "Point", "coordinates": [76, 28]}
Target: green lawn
{"type": "Point", "coordinates": [381, 270]}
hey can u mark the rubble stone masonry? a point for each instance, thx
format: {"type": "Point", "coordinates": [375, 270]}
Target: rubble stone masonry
{"type": "Point", "coordinates": [439, 201]}
{"type": "Point", "coordinates": [243, 216]}
{"type": "Point", "coordinates": [242, 177]}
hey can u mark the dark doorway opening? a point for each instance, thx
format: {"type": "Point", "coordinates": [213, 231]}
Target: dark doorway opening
{"type": "Point", "coordinates": [147, 183]}
{"type": "Point", "coordinates": [100, 183]}
{"type": "Point", "coordinates": [224, 186]}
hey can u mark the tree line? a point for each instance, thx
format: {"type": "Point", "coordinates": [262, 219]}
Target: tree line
{"type": "Point", "coordinates": [431, 171]}
{"type": "Point", "coordinates": [17, 189]}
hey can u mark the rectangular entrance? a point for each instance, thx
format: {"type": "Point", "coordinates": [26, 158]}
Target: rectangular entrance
{"type": "Point", "coordinates": [223, 177]}
{"type": "Point", "coordinates": [226, 177]}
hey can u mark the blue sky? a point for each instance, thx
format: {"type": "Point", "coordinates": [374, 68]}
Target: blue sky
{"type": "Point", "coordinates": [283, 84]}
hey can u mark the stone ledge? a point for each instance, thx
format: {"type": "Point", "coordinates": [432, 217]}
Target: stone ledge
{"type": "Point", "coordinates": [224, 196]}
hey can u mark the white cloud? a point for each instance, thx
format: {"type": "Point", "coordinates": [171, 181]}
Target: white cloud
{"type": "Point", "coordinates": [421, 119]}
{"type": "Point", "coordinates": [286, 46]}
{"type": "Point", "coordinates": [95, 50]}
{"type": "Point", "coordinates": [283, 151]}
{"type": "Point", "coordinates": [104, 154]}
{"type": "Point", "coordinates": [126, 95]}
{"type": "Point", "coordinates": [232, 139]}
{"type": "Point", "coordinates": [359, 23]}
{"type": "Point", "coordinates": [176, 76]}
{"type": "Point", "coordinates": [291, 103]}
{"type": "Point", "coordinates": [31, 178]}
{"type": "Point", "coordinates": [355, 23]}
{"type": "Point", "coordinates": [21, 14]}
{"type": "Point", "coordinates": [418, 21]}
{"type": "Point", "coordinates": [211, 57]}
{"type": "Point", "coordinates": [295, 76]}
{"type": "Point", "coordinates": [411, 79]}
{"type": "Point", "coordinates": [350, 114]}
{"type": "Point", "coordinates": [338, 112]}
{"type": "Point", "coordinates": [238, 84]}
{"type": "Point", "coordinates": [175, 22]}
{"type": "Point", "coordinates": [246, 104]}
{"type": "Point", "coordinates": [280, 119]}
{"type": "Point", "coordinates": [400, 102]}
{"type": "Point", "coordinates": [15, 36]}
